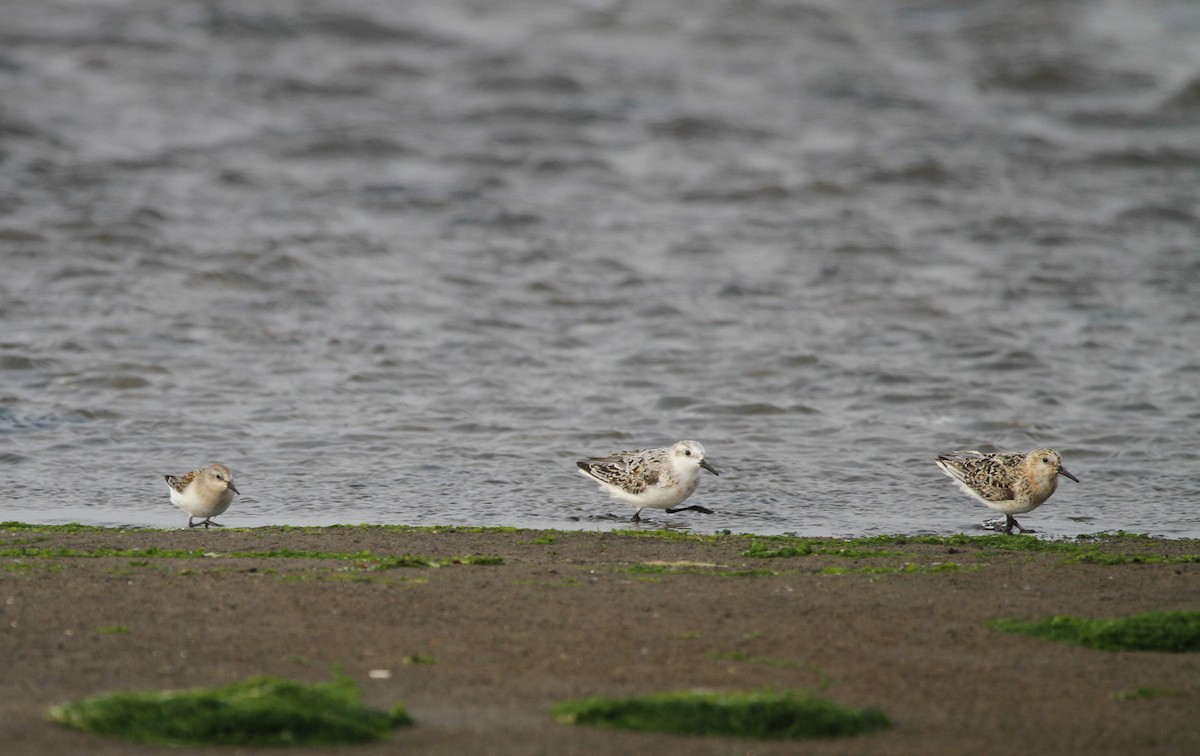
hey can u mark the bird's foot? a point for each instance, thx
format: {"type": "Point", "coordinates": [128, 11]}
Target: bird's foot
{"type": "Point", "coordinates": [1011, 523]}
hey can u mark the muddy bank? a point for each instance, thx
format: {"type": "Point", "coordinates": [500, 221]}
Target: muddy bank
{"type": "Point", "coordinates": [480, 633]}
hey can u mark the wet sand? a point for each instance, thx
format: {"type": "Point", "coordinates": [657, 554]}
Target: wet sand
{"type": "Point", "coordinates": [480, 652]}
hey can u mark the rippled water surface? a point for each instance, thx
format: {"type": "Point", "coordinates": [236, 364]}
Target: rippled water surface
{"type": "Point", "coordinates": [406, 262]}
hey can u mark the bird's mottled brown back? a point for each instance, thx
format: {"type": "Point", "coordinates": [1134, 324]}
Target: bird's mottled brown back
{"type": "Point", "coordinates": [182, 481]}
{"type": "Point", "coordinates": [991, 475]}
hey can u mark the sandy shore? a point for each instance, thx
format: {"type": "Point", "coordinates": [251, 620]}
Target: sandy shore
{"type": "Point", "coordinates": [479, 652]}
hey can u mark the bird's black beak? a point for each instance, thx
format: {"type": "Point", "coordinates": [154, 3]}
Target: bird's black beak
{"type": "Point", "coordinates": [710, 468]}
{"type": "Point", "coordinates": [233, 488]}
{"type": "Point", "coordinates": [1063, 471]}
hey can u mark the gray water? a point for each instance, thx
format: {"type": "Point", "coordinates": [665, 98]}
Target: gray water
{"type": "Point", "coordinates": [406, 262]}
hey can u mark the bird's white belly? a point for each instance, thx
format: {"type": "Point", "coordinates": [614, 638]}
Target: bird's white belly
{"type": "Point", "coordinates": [1011, 506]}
{"type": "Point", "coordinates": [200, 506]}
{"type": "Point", "coordinates": [656, 497]}
{"type": "Point", "coordinates": [1005, 506]}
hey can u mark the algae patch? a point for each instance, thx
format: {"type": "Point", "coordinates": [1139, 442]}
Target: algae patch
{"type": "Point", "coordinates": [684, 566]}
{"type": "Point", "coordinates": [1112, 559]}
{"type": "Point", "coordinates": [1153, 631]}
{"type": "Point", "coordinates": [760, 550]}
{"type": "Point", "coordinates": [261, 711]}
{"type": "Point", "coordinates": [366, 558]}
{"type": "Point", "coordinates": [113, 630]}
{"type": "Point", "coordinates": [763, 714]}
{"type": "Point", "coordinates": [741, 656]}
{"type": "Point", "coordinates": [1146, 692]}
{"type": "Point", "coordinates": [904, 569]}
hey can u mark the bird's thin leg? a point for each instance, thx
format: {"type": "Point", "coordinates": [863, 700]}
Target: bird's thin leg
{"type": "Point", "coordinates": [1010, 522]}
{"type": "Point", "coordinates": [697, 507]}
{"type": "Point", "coordinates": [637, 516]}
{"type": "Point", "coordinates": [193, 524]}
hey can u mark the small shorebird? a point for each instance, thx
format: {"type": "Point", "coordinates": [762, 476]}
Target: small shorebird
{"type": "Point", "coordinates": [203, 493]}
{"type": "Point", "coordinates": [1006, 482]}
{"type": "Point", "coordinates": [655, 478]}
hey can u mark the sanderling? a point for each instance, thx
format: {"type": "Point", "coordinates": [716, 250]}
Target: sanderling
{"type": "Point", "coordinates": [655, 478]}
{"type": "Point", "coordinates": [203, 493]}
{"type": "Point", "coordinates": [1007, 482]}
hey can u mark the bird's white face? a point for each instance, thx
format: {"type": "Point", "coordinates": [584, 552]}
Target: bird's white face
{"type": "Point", "coordinates": [689, 455]}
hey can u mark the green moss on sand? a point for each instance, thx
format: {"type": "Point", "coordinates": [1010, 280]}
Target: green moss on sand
{"type": "Point", "coordinates": [761, 550]}
{"type": "Point", "coordinates": [1096, 557]}
{"type": "Point", "coordinates": [1145, 692]}
{"type": "Point", "coordinates": [13, 525]}
{"type": "Point", "coordinates": [1154, 631]}
{"type": "Point", "coordinates": [261, 711]}
{"type": "Point", "coordinates": [764, 714]}
{"type": "Point", "coordinates": [694, 568]}
{"type": "Point", "coordinates": [905, 569]}
{"type": "Point", "coordinates": [376, 561]}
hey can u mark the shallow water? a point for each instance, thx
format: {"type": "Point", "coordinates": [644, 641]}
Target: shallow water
{"type": "Point", "coordinates": [404, 263]}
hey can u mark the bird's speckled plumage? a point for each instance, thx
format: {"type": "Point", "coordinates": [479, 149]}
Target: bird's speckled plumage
{"type": "Point", "coordinates": [203, 493]}
{"type": "Point", "coordinates": [655, 478]}
{"type": "Point", "coordinates": [1011, 483]}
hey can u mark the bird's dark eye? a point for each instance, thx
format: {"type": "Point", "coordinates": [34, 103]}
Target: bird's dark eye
{"type": "Point", "coordinates": [1046, 460]}
{"type": "Point", "coordinates": [688, 452]}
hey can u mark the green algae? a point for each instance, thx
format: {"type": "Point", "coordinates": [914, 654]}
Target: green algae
{"type": "Point", "coordinates": [904, 569]}
{"type": "Point", "coordinates": [693, 568]}
{"type": "Point", "coordinates": [762, 714]}
{"type": "Point", "coordinates": [113, 630]}
{"type": "Point", "coordinates": [1146, 692]}
{"type": "Point", "coordinates": [741, 656]}
{"type": "Point", "coordinates": [73, 527]}
{"type": "Point", "coordinates": [261, 711]}
{"type": "Point", "coordinates": [62, 552]}
{"type": "Point", "coordinates": [761, 550]}
{"type": "Point", "coordinates": [377, 561]}
{"type": "Point", "coordinates": [1097, 557]}
{"type": "Point", "coordinates": [1105, 548]}
{"type": "Point", "coordinates": [1154, 631]}
{"type": "Point", "coordinates": [420, 659]}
